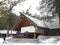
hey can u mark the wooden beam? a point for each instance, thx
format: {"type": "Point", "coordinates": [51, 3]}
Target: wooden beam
{"type": "Point", "coordinates": [34, 35]}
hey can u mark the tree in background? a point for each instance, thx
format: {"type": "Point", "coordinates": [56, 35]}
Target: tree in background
{"type": "Point", "coordinates": [49, 9]}
{"type": "Point", "coordinates": [57, 5]}
{"type": "Point", "coordinates": [5, 10]}
{"type": "Point", "coordinates": [12, 20]}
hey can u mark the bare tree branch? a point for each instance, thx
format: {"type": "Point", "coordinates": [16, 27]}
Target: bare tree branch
{"type": "Point", "coordinates": [15, 5]}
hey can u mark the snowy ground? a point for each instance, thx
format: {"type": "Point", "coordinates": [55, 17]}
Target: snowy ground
{"type": "Point", "coordinates": [27, 44]}
{"type": "Point", "coordinates": [46, 42]}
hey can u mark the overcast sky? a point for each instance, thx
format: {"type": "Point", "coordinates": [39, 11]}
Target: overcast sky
{"type": "Point", "coordinates": [25, 5]}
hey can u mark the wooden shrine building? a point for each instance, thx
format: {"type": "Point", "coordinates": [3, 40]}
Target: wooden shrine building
{"type": "Point", "coordinates": [39, 27]}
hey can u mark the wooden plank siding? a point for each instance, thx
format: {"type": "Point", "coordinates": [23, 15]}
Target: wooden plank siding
{"type": "Point", "coordinates": [52, 32]}
{"type": "Point", "coordinates": [24, 23]}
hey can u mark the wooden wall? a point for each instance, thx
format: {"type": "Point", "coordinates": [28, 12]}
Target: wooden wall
{"type": "Point", "coordinates": [23, 23]}
{"type": "Point", "coordinates": [51, 32]}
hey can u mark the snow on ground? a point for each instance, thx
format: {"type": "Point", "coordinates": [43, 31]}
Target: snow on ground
{"type": "Point", "coordinates": [50, 40]}
{"type": "Point", "coordinates": [26, 44]}
{"type": "Point", "coordinates": [1, 40]}
{"type": "Point", "coordinates": [47, 42]}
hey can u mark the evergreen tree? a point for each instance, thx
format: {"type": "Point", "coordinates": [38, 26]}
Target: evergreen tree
{"type": "Point", "coordinates": [49, 9]}
{"type": "Point", "coordinates": [5, 10]}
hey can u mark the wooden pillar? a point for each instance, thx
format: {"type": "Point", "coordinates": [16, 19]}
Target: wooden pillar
{"type": "Point", "coordinates": [34, 35]}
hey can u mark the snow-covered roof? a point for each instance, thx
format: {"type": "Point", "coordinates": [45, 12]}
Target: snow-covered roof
{"type": "Point", "coordinates": [40, 23]}
{"type": "Point", "coordinates": [28, 29]}
{"type": "Point", "coordinates": [54, 24]}
{"type": "Point", "coordinates": [5, 32]}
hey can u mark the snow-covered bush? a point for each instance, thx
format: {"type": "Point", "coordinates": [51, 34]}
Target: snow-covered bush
{"type": "Point", "coordinates": [41, 38]}
{"type": "Point", "coordinates": [50, 40]}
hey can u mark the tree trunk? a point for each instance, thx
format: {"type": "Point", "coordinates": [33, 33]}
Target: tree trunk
{"type": "Point", "coordinates": [59, 24]}
{"type": "Point", "coordinates": [59, 19]}
{"type": "Point", "coordinates": [7, 29]}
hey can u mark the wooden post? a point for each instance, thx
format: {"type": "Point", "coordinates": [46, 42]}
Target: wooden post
{"type": "Point", "coordinates": [34, 35]}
